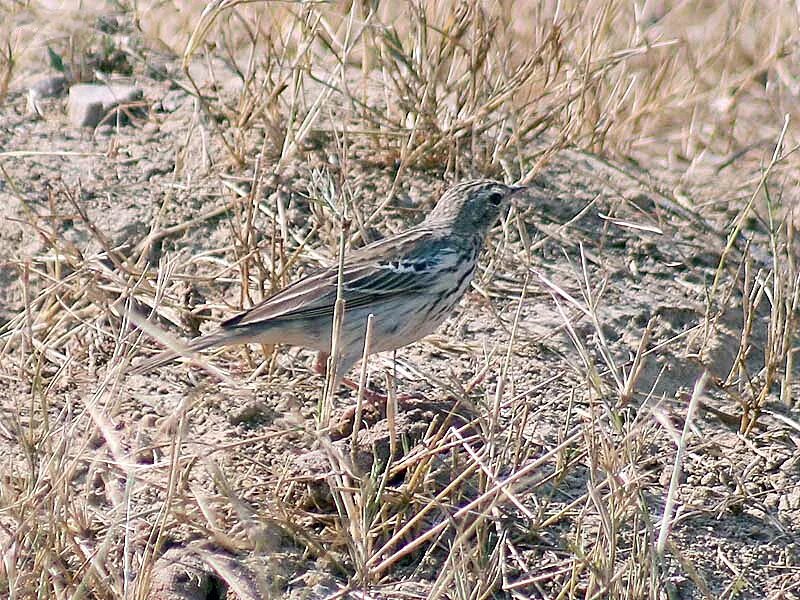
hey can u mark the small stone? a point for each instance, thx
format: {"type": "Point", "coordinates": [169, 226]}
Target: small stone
{"type": "Point", "coordinates": [173, 100]}
{"type": "Point", "coordinates": [90, 103]}
{"type": "Point", "coordinates": [790, 501]}
{"type": "Point", "coordinates": [248, 414]}
{"type": "Point", "coordinates": [709, 479]}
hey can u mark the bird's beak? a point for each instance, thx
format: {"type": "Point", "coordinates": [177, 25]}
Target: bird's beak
{"type": "Point", "coordinates": [517, 191]}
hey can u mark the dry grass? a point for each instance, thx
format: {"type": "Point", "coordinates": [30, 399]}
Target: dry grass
{"type": "Point", "coordinates": [479, 504]}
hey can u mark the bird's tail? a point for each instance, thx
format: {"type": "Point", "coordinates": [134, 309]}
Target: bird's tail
{"type": "Point", "coordinates": [221, 338]}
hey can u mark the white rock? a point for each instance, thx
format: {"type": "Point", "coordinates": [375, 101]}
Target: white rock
{"type": "Point", "coordinates": [89, 103]}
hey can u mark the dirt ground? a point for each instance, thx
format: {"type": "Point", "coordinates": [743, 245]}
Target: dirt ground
{"type": "Point", "coordinates": [601, 301]}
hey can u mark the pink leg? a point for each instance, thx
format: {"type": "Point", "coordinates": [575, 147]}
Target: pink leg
{"type": "Point", "coordinates": [374, 406]}
{"type": "Point", "coordinates": [371, 396]}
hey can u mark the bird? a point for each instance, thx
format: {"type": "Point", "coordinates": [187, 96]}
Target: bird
{"type": "Point", "coordinates": [410, 282]}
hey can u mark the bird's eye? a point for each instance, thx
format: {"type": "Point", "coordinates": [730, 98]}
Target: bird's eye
{"type": "Point", "coordinates": [495, 198]}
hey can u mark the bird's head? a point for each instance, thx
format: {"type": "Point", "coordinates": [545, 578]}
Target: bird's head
{"type": "Point", "coordinates": [472, 207]}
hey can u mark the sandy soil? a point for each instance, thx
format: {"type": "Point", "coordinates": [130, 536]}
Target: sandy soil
{"type": "Point", "coordinates": [228, 477]}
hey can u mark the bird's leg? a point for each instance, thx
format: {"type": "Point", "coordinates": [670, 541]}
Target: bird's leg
{"type": "Point", "coordinates": [321, 364]}
{"type": "Point", "coordinates": [373, 406]}
{"type": "Point", "coordinates": [371, 396]}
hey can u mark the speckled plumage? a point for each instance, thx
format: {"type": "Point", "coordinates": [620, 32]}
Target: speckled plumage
{"type": "Point", "coordinates": [410, 282]}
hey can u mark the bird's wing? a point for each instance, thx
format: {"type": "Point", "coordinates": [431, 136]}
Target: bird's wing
{"type": "Point", "coordinates": [370, 274]}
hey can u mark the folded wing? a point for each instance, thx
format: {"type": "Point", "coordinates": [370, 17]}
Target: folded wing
{"type": "Point", "coordinates": [372, 274]}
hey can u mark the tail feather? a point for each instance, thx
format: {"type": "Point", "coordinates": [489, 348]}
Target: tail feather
{"type": "Point", "coordinates": [196, 345]}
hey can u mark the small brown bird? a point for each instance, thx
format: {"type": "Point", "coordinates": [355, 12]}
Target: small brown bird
{"type": "Point", "coordinates": [410, 282]}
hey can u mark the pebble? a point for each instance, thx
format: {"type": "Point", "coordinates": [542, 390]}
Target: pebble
{"type": "Point", "coordinates": [709, 479]}
{"type": "Point", "coordinates": [790, 501]}
{"type": "Point", "coordinates": [173, 100]}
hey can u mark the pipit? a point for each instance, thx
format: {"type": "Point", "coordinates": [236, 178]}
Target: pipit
{"type": "Point", "coordinates": [409, 282]}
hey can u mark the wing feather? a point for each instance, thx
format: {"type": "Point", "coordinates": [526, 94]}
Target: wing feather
{"type": "Point", "coordinates": [371, 274]}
